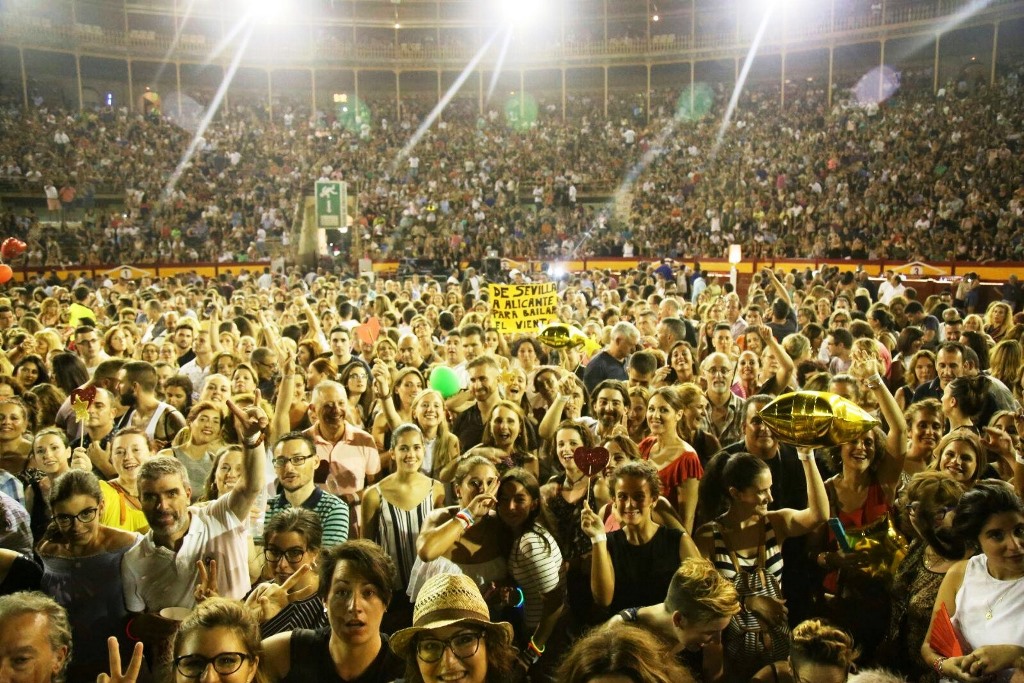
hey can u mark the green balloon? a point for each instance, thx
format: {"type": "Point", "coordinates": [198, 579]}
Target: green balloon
{"type": "Point", "coordinates": [444, 380]}
{"type": "Point", "coordinates": [694, 102]}
{"type": "Point", "coordinates": [521, 111]}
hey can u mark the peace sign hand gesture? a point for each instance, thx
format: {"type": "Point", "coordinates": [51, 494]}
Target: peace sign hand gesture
{"type": "Point", "coordinates": [116, 675]}
{"type": "Point", "coordinates": [251, 420]}
{"type": "Point", "coordinates": [206, 586]}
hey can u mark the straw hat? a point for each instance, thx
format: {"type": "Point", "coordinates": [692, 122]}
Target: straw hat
{"type": "Point", "coordinates": [444, 600]}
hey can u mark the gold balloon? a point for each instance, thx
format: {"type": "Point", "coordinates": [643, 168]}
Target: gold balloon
{"type": "Point", "coordinates": [562, 336]}
{"type": "Point", "coordinates": [882, 543]}
{"type": "Point", "coordinates": [816, 419]}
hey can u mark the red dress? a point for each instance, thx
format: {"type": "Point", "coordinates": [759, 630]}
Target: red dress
{"type": "Point", "coordinates": [672, 475]}
{"type": "Point", "coordinates": [874, 507]}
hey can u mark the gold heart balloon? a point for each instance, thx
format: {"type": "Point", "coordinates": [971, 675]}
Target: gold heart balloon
{"type": "Point", "coordinates": [816, 419]}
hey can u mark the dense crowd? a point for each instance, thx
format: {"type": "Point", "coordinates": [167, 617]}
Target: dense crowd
{"type": "Point", "coordinates": [300, 477]}
{"type": "Point", "coordinates": [920, 176]}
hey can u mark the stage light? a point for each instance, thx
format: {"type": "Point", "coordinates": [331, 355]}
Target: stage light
{"type": "Point", "coordinates": [521, 12]}
{"type": "Point", "coordinates": [267, 10]}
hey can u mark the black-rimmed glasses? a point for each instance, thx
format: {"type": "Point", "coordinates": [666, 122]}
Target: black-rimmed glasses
{"type": "Point", "coordinates": [85, 516]}
{"type": "Point", "coordinates": [462, 645]}
{"type": "Point", "coordinates": [292, 555]}
{"type": "Point", "coordinates": [225, 663]}
{"type": "Point", "coordinates": [295, 460]}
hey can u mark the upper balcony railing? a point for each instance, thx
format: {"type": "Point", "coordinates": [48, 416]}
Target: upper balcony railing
{"type": "Point", "coordinates": [34, 32]}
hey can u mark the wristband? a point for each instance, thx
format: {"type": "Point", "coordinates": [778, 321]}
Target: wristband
{"type": "Point", "coordinates": [874, 381]}
{"type": "Point", "coordinates": [937, 664]}
{"type": "Point", "coordinates": [804, 456]}
{"type": "Point", "coordinates": [600, 538]}
{"type": "Point", "coordinates": [255, 442]}
{"type": "Point", "coordinates": [534, 648]}
{"type": "Point", "coordinates": [465, 518]}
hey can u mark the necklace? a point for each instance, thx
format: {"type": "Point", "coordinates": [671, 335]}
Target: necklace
{"type": "Point", "coordinates": [992, 605]}
{"type": "Point", "coordinates": [932, 560]}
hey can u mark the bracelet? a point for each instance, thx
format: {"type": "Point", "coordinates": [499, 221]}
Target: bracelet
{"type": "Point", "coordinates": [937, 664]}
{"type": "Point", "coordinates": [600, 538]}
{"type": "Point", "coordinates": [465, 517]}
{"type": "Point", "coordinates": [874, 381]}
{"type": "Point", "coordinates": [255, 442]}
{"type": "Point", "coordinates": [805, 456]}
{"type": "Point", "coordinates": [128, 630]}
{"type": "Point", "coordinates": [534, 648]}
{"type": "Point", "coordinates": [1018, 457]}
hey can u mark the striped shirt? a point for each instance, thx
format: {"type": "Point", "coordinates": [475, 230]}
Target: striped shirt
{"type": "Point", "coordinates": [308, 613]}
{"type": "Point", "coordinates": [772, 553]}
{"type": "Point", "coordinates": [332, 511]}
{"type": "Point", "coordinates": [534, 564]}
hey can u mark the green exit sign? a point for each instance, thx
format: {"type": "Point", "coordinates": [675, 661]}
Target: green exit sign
{"type": "Point", "coordinates": [331, 203]}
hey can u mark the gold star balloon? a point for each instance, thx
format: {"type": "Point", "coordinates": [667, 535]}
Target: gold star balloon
{"type": "Point", "coordinates": [562, 336]}
{"type": "Point", "coordinates": [816, 419]}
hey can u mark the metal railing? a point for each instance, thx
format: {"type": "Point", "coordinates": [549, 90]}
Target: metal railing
{"type": "Point", "coordinates": [30, 31]}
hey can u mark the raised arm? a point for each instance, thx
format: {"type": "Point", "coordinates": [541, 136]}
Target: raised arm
{"type": "Point", "coordinates": [869, 369]}
{"type": "Point", "coordinates": [780, 288]}
{"type": "Point", "coordinates": [285, 398]}
{"type": "Point", "coordinates": [786, 366]}
{"type": "Point", "coordinates": [788, 522]}
{"type": "Point", "coordinates": [252, 426]}
{"type": "Point", "coordinates": [602, 572]}
{"type": "Point", "coordinates": [383, 389]}
{"type": "Point", "coordinates": [443, 528]}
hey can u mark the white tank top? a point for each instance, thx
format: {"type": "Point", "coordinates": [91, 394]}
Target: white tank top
{"type": "Point", "coordinates": [980, 595]}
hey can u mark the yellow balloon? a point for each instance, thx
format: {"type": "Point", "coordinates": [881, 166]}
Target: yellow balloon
{"type": "Point", "coordinates": [562, 336]}
{"type": "Point", "coordinates": [816, 419]}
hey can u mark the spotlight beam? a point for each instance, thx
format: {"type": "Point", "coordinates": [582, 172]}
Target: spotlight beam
{"type": "Point", "coordinates": [747, 63]}
{"type": "Point", "coordinates": [500, 63]}
{"type": "Point", "coordinates": [443, 102]}
{"type": "Point", "coordinates": [210, 112]}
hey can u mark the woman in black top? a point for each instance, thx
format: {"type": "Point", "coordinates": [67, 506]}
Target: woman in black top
{"type": "Point", "coordinates": [355, 584]}
{"type": "Point", "coordinates": [632, 567]}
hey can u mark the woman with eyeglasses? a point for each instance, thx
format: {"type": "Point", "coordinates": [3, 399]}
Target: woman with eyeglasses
{"type": "Point", "coordinates": [82, 569]}
{"type": "Point", "coordinates": [218, 641]}
{"type": "Point", "coordinates": [356, 580]}
{"type": "Point", "coordinates": [51, 455]}
{"type": "Point", "coordinates": [290, 600]}
{"type": "Point", "coordinates": [453, 638]}
{"type": "Point", "coordinates": [928, 502]}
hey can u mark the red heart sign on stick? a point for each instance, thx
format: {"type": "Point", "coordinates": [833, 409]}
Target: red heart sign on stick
{"type": "Point", "coordinates": [591, 461]}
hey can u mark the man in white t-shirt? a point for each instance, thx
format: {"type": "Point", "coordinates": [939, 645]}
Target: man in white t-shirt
{"type": "Point", "coordinates": [163, 569]}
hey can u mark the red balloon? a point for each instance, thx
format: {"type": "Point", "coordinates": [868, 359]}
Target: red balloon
{"type": "Point", "coordinates": [5, 273]}
{"type": "Point", "coordinates": [12, 247]}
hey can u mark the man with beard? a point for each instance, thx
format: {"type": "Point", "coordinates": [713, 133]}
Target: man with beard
{"type": "Point", "coordinates": [724, 417]}
{"type": "Point", "coordinates": [483, 385]}
{"type": "Point", "coordinates": [789, 490]}
{"type": "Point", "coordinates": [105, 377]}
{"type": "Point", "coordinates": [294, 463]}
{"type": "Point", "coordinates": [610, 400]}
{"type": "Point", "coordinates": [137, 392]}
{"type": "Point", "coordinates": [183, 336]}
{"type": "Point", "coordinates": [347, 457]}
{"type": "Point", "coordinates": [163, 570]}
